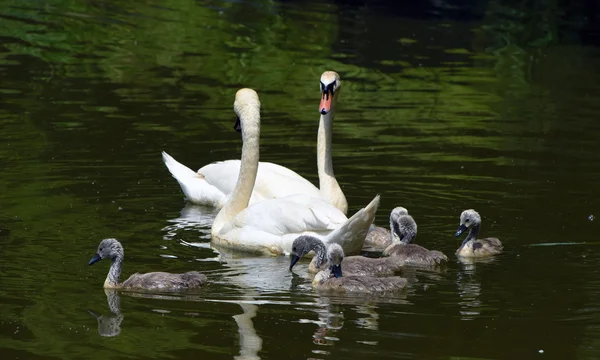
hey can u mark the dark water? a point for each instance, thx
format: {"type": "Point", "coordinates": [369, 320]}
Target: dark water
{"type": "Point", "coordinates": [445, 106]}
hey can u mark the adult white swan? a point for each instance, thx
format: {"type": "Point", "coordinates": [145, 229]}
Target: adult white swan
{"type": "Point", "coordinates": [213, 184]}
{"type": "Point", "coordinates": [270, 226]}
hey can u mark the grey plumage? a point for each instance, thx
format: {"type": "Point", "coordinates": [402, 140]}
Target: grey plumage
{"type": "Point", "coordinates": [157, 281]}
{"type": "Point", "coordinates": [334, 280]}
{"type": "Point", "coordinates": [380, 237]}
{"type": "Point", "coordinates": [352, 265]}
{"type": "Point", "coordinates": [471, 246]}
{"type": "Point", "coordinates": [404, 231]}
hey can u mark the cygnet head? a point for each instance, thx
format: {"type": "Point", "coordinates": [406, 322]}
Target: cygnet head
{"type": "Point", "coordinates": [403, 228]}
{"type": "Point", "coordinates": [330, 88]}
{"type": "Point", "coordinates": [301, 246]}
{"type": "Point", "coordinates": [108, 249]}
{"type": "Point", "coordinates": [396, 213]}
{"type": "Point", "coordinates": [468, 219]}
{"type": "Point", "coordinates": [246, 106]}
{"type": "Point", "coordinates": [335, 256]}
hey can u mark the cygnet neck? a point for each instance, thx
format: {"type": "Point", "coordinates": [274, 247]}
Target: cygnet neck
{"type": "Point", "coordinates": [473, 232]}
{"type": "Point", "coordinates": [112, 279]}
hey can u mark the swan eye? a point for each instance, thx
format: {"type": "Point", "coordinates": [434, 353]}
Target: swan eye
{"type": "Point", "coordinates": [331, 88]}
{"type": "Point", "coordinates": [467, 220]}
{"type": "Point", "coordinates": [328, 88]}
{"type": "Point", "coordinates": [294, 248]}
{"type": "Point", "coordinates": [100, 249]}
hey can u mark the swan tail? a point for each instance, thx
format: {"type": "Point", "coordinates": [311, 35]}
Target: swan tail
{"type": "Point", "coordinates": [351, 235]}
{"type": "Point", "coordinates": [194, 186]}
{"type": "Point", "coordinates": [178, 170]}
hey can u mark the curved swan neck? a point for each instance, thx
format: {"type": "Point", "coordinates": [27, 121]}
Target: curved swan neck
{"type": "Point", "coordinates": [472, 235]}
{"type": "Point", "coordinates": [408, 238]}
{"type": "Point", "coordinates": [473, 232]}
{"type": "Point", "coordinates": [320, 253]}
{"type": "Point", "coordinates": [112, 279]}
{"type": "Point", "coordinates": [394, 231]}
{"type": "Point", "coordinates": [242, 191]}
{"type": "Point", "coordinates": [328, 184]}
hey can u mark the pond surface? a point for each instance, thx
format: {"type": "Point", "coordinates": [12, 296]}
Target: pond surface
{"type": "Point", "coordinates": [445, 106]}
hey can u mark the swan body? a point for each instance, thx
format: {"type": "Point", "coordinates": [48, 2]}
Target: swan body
{"type": "Point", "coordinates": [213, 184]}
{"type": "Point", "coordinates": [269, 227]}
{"type": "Point", "coordinates": [404, 231]}
{"type": "Point", "coordinates": [154, 281]}
{"type": "Point", "coordinates": [332, 279]}
{"type": "Point", "coordinates": [472, 247]}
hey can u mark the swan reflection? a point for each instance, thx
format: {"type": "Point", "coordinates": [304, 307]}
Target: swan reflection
{"type": "Point", "coordinates": [469, 288]}
{"type": "Point", "coordinates": [110, 325]}
{"type": "Point", "coordinates": [192, 217]}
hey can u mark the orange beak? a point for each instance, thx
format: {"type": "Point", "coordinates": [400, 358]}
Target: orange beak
{"type": "Point", "coordinates": [326, 98]}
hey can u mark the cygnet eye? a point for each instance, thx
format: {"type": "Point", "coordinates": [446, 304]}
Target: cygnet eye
{"type": "Point", "coordinates": [467, 220]}
{"type": "Point", "coordinates": [294, 248]}
{"type": "Point", "coordinates": [100, 249]}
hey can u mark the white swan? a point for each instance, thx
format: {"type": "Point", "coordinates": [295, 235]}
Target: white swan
{"type": "Point", "coordinates": [213, 184]}
{"type": "Point", "coordinates": [270, 226]}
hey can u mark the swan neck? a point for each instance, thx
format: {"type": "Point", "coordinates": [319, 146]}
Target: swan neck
{"type": "Point", "coordinates": [320, 253]}
{"type": "Point", "coordinates": [328, 184]}
{"type": "Point", "coordinates": [248, 169]}
{"type": "Point", "coordinates": [324, 158]}
{"type": "Point", "coordinates": [473, 232]}
{"type": "Point", "coordinates": [408, 238]}
{"type": "Point", "coordinates": [114, 273]}
{"type": "Point", "coordinates": [394, 227]}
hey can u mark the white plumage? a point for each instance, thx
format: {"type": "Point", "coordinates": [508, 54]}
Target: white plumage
{"type": "Point", "coordinates": [270, 226]}
{"type": "Point", "coordinates": [213, 184]}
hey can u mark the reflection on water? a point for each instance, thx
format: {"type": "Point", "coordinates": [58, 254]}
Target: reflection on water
{"type": "Point", "coordinates": [192, 218]}
{"type": "Point", "coordinates": [110, 325]}
{"type": "Point", "coordinates": [469, 287]}
{"type": "Point", "coordinates": [330, 321]}
{"type": "Point", "coordinates": [469, 290]}
{"type": "Point", "coordinates": [250, 342]}
{"type": "Point", "coordinates": [446, 105]}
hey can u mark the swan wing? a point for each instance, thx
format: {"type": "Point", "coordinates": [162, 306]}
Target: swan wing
{"type": "Point", "coordinates": [221, 174]}
{"type": "Point", "coordinates": [271, 226]}
{"type": "Point", "coordinates": [272, 181]}
{"type": "Point", "coordinates": [275, 181]}
{"type": "Point", "coordinates": [293, 214]}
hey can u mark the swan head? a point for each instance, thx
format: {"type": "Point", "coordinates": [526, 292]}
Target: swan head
{"type": "Point", "coordinates": [468, 218]}
{"type": "Point", "coordinates": [302, 245]}
{"type": "Point", "coordinates": [335, 256]}
{"type": "Point", "coordinates": [398, 211]}
{"type": "Point", "coordinates": [403, 228]}
{"type": "Point", "coordinates": [108, 249]}
{"type": "Point", "coordinates": [330, 88]}
{"type": "Point", "coordinates": [246, 106]}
